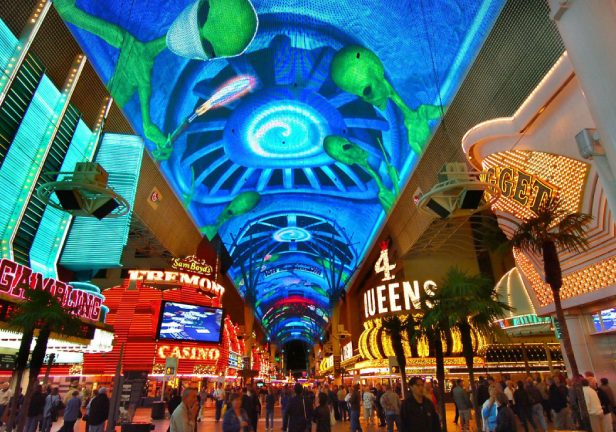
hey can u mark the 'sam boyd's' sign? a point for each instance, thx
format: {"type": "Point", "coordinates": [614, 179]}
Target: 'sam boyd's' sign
{"type": "Point", "coordinates": [16, 278]}
{"type": "Point", "coordinates": [395, 297]}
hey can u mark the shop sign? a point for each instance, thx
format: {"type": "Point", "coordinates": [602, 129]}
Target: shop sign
{"type": "Point", "coordinates": [235, 361]}
{"type": "Point", "coordinates": [327, 363]}
{"type": "Point", "coordinates": [188, 353]}
{"type": "Point", "coordinates": [347, 351]}
{"type": "Point", "coordinates": [156, 278]}
{"type": "Point", "coordinates": [16, 278]}
{"type": "Point", "coordinates": [192, 264]}
{"type": "Point", "coordinates": [395, 296]}
{"type": "Point", "coordinates": [522, 320]}
{"type": "Point", "coordinates": [526, 189]}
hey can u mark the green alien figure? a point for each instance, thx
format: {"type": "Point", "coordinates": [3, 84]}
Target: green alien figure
{"type": "Point", "coordinates": [359, 71]}
{"type": "Point", "coordinates": [240, 205]}
{"type": "Point", "coordinates": [204, 30]}
{"type": "Point", "coordinates": [348, 153]}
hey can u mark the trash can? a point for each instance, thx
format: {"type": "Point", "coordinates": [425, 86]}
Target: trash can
{"type": "Point", "coordinates": [158, 410]}
{"type": "Point", "coordinates": [137, 427]}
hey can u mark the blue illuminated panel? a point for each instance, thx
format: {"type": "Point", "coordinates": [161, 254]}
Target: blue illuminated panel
{"type": "Point", "coordinates": [296, 173]}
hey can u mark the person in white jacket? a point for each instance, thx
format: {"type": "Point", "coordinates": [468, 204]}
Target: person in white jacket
{"type": "Point", "coordinates": [593, 404]}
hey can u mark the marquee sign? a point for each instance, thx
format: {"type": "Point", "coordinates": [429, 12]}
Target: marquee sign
{"type": "Point", "coordinates": [158, 278]}
{"type": "Point", "coordinates": [188, 353]}
{"type": "Point", "coordinates": [526, 189]}
{"type": "Point", "coordinates": [395, 296]}
{"type": "Point", "coordinates": [16, 278]}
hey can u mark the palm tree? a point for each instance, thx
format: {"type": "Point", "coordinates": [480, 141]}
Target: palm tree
{"type": "Point", "coordinates": [472, 306]}
{"type": "Point", "coordinates": [554, 228]}
{"type": "Point", "coordinates": [41, 309]}
{"type": "Point", "coordinates": [435, 326]}
{"type": "Point", "coordinates": [394, 327]}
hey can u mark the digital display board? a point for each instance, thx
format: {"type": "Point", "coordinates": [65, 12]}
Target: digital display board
{"type": "Point", "coordinates": [287, 128]}
{"type": "Point", "coordinates": [185, 322]}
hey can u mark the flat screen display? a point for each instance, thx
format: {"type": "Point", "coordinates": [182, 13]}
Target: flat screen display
{"type": "Point", "coordinates": [186, 322]}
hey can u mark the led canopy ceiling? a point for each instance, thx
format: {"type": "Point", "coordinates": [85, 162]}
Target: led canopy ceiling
{"type": "Point", "coordinates": [287, 127]}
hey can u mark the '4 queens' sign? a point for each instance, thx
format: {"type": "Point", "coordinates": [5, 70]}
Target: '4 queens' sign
{"type": "Point", "coordinates": [16, 278]}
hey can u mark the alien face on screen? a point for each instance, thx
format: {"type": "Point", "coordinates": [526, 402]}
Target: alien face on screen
{"type": "Point", "coordinates": [344, 151]}
{"type": "Point", "coordinates": [358, 71]}
{"type": "Point", "coordinates": [213, 28]}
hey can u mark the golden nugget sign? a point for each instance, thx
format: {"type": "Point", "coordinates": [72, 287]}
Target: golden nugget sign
{"type": "Point", "coordinates": [188, 353]}
{"type": "Point", "coordinates": [192, 264]}
{"type": "Point", "coordinates": [16, 278]}
{"type": "Point", "coordinates": [523, 188]}
{"type": "Point", "coordinates": [157, 278]}
{"type": "Point", "coordinates": [395, 296]}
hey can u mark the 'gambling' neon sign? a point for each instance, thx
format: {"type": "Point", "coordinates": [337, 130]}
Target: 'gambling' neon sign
{"type": "Point", "coordinates": [16, 278]}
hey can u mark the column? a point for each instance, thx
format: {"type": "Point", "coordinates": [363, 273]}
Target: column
{"type": "Point", "coordinates": [588, 29]}
{"type": "Point", "coordinates": [249, 320]}
{"type": "Point", "coordinates": [335, 338]}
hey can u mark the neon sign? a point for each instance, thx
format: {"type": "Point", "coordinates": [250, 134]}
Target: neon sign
{"type": "Point", "coordinates": [522, 321]}
{"type": "Point", "coordinates": [192, 264]}
{"type": "Point", "coordinates": [155, 277]}
{"type": "Point", "coordinates": [16, 278]}
{"type": "Point", "coordinates": [395, 296]}
{"type": "Point", "coordinates": [524, 188]}
{"type": "Point", "coordinates": [188, 353]}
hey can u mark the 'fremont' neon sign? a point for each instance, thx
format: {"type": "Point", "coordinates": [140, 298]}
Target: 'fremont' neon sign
{"type": "Point", "coordinates": [154, 277]}
{"type": "Point", "coordinates": [16, 278]}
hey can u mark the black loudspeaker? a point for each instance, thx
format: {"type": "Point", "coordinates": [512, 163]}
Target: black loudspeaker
{"type": "Point", "coordinates": [69, 199]}
{"type": "Point", "coordinates": [441, 211]}
{"type": "Point", "coordinates": [106, 208]}
{"type": "Point", "coordinates": [471, 199]}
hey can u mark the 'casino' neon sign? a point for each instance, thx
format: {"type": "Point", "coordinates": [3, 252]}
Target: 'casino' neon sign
{"type": "Point", "coordinates": [16, 278]}
{"type": "Point", "coordinates": [188, 353]}
{"type": "Point", "coordinates": [155, 277]}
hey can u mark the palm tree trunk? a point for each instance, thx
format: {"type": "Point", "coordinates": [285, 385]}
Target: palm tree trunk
{"type": "Point", "coordinates": [564, 331]}
{"type": "Point", "coordinates": [396, 343]}
{"type": "Point", "coordinates": [20, 367]}
{"type": "Point", "coordinates": [440, 377]}
{"type": "Point", "coordinates": [468, 353]}
{"type": "Point", "coordinates": [36, 363]}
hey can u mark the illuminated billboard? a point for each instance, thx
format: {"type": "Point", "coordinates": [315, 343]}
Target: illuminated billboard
{"type": "Point", "coordinates": [287, 128]}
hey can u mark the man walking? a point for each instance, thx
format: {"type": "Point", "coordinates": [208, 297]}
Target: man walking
{"type": "Point", "coordinates": [390, 402]}
{"type": "Point", "coordinates": [296, 413]}
{"type": "Point", "coordinates": [5, 396]}
{"type": "Point", "coordinates": [219, 398]}
{"type": "Point", "coordinates": [354, 407]}
{"type": "Point", "coordinates": [98, 411]}
{"type": "Point", "coordinates": [342, 404]}
{"type": "Point", "coordinates": [35, 410]}
{"type": "Point", "coordinates": [72, 412]}
{"type": "Point", "coordinates": [463, 405]}
{"type": "Point", "coordinates": [184, 416]}
{"type": "Point", "coordinates": [417, 412]}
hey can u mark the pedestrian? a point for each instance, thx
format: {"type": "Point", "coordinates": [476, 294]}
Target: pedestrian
{"type": "Point", "coordinates": [322, 414]}
{"type": "Point", "coordinates": [463, 405]}
{"type": "Point", "coordinates": [98, 411]}
{"type": "Point", "coordinates": [270, 401]}
{"type": "Point", "coordinates": [174, 401]}
{"type": "Point", "coordinates": [342, 404]}
{"type": "Point", "coordinates": [417, 412]}
{"type": "Point", "coordinates": [354, 404]}
{"type": "Point", "coordinates": [505, 419]}
{"type": "Point", "coordinates": [52, 404]}
{"type": "Point", "coordinates": [390, 401]}
{"type": "Point", "coordinates": [5, 396]}
{"type": "Point", "coordinates": [285, 397]}
{"type": "Point", "coordinates": [235, 419]}
{"type": "Point", "coordinates": [35, 410]}
{"type": "Point", "coordinates": [219, 398]}
{"type": "Point", "coordinates": [523, 407]}
{"type": "Point", "coordinates": [184, 416]}
{"type": "Point", "coordinates": [368, 399]}
{"type": "Point", "coordinates": [489, 409]}
{"type": "Point", "coordinates": [72, 412]}
{"type": "Point", "coordinates": [333, 402]}
{"type": "Point", "coordinates": [252, 406]}
{"type": "Point", "coordinates": [296, 412]}
{"type": "Point", "coordinates": [536, 405]}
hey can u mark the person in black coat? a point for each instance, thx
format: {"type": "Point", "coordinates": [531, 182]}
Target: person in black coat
{"type": "Point", "coordinates": [417, 412]}
{"type": "Point", "coordinates": [252, 406]}
{"type": "Point", "coordinates": [322, 416]}
{"type": "Point", "coordinates": [98, 411]}
{"type": "Point", "coordinates": [523, 407]}
{"type": "Point", "coordinates": [505, 419]}
{"type": "Point", "coordinates": [35, 410]}
{"type": "Point", "coordinates": [174, 401]}
{"type": "Point", "coordinates": [297, 412]}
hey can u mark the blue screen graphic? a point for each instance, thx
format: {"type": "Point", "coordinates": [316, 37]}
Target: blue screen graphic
{"type": "Point", "coordinates": [288, 129]}
{"type": "Point", "coordinates": [184, 322]}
